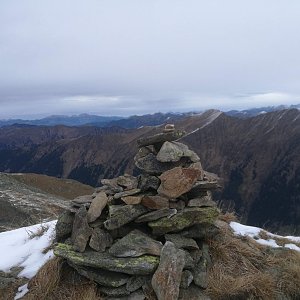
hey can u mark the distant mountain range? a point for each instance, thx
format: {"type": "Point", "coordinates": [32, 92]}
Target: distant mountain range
{"type": "Point", "coordinates": [133, 121]}
{"type": "Point", "coordinates": [257, 157]}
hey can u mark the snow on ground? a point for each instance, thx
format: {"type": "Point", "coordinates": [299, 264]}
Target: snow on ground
{"type": "Point", "coordinates": [25, 247]}
{"type": "Point", "coordinates": [253, 232]}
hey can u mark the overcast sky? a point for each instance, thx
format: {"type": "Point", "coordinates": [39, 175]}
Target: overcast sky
{"type": "Point", "coordinates": [124, 57]}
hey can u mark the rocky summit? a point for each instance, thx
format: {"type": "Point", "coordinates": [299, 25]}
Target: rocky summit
{"type": "Point", "coordinates": [144, 237]}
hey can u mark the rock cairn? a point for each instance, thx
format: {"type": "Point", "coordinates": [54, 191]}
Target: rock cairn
{"type": "Point", "coordinates": [144, 237]}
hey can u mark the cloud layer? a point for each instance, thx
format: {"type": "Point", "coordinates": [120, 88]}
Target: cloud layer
{"type": "Point", "coordinates": [125, 57]}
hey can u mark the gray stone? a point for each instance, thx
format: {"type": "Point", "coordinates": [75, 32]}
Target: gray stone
{"type": "Point", "coordinates": [186, 279]}
{"type": "Point", "coordinates": [160, 138]}
{"type": "Point", "coordinates": [177, 181]}
{"type": "Point", "coordinates": [136, 282]}
{"type": "Point", "coordinates": [147, 182]}
{"type": "Point", "coordinates": [185, 218]}
{"type": "Point", "coordinates": [126, 193]}
{"type": "Point", "coordinates": [182, 242]}
{"type": "Point", "coordinates": [192, 293]}
{"type": "Point", "coordinates": [144, 265]}
{"type": "Point", "coordinates": [187, 152]}
{"type": "Point", "coordinates": [200, 270]}
{"type": "Point", "coordinates": [169, 152]}
{"type": "Point", "coordinates": [137, 295]}
{"type": "Point", "coordinates": [155, 202]}
{"type": "Point", "coordinates": [97, 205]}
{"type": "Point", "coordinates": [64, 225]}
{"type": "Point", "coordinates": [135, 244]}
{"type": "Point", "coordinates": [201, 231]}
{"type": "Point", "coordinates": [125, 215]}
{"type": "Point", "coordinates": [81, 230]}
{"type": "Point", "coordinates": [167, 277]}
{"type": "Point", "coordinates": [103, 277]}
{"type": "Point", "coordinates": [100, 240]}
{"type": "Point", "coordinates": [149, 291]}
{"type": "Point", "coordinates": [127, 181]}
{"type": "Point", "coordinates": [155, 215]}
{"type": "Point", "coordinates": [151, 165]}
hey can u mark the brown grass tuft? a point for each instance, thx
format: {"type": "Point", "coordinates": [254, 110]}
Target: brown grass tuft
{"type": "Point", "coordinates": [243, 269]}
{"type": "Point", "coordinates": [228, 217]}
{"type": "Point", "coordinates": [57, 281]}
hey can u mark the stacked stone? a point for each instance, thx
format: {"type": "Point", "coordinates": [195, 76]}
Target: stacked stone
{"type": "Point", "coordinates": [144, 237]}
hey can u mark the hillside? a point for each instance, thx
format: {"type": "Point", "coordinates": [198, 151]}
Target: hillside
{"type": "Point", "coordinates": [27, 199]}
{"type": "Point", "coordinates": [258, 158]}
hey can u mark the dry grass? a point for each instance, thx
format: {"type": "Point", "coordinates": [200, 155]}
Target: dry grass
{"type": "Point", "coordinates": [228, 217]}
{"type": "Point", "coordinates": [243, 269]}
{"type": "Point", "coordinates": [281, 241]}
{"type": "Point", "coordinates": [57, 281]}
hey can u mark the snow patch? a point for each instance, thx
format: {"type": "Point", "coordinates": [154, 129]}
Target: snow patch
{"type": "Point", "coordinates": [23, 247]}
{"type": "Point", "coordinates": [22, 291]}
{"type": "Point", "coordinates": [253, 232]}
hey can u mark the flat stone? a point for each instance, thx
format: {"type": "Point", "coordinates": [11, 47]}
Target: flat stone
{"type": "Point", "coordinates": [169, 152]}
{"type": "Point", "coordinates": [126, 193]}
{"type": "Point", "coordinates": [155, 202]}
{"type": "Point", "coordinates": [147, 182]}
{"type": "Point", "coordinates": [160, 138]}
{"type": "Point", "coordinates": [100, 240]}
{"type": "Point", "coordinates": [186, 279]}
{"type": "Point", "coordinates": [114, 292]}
{"type": "Point", "coordinates": [83, 199]}
{"type": "Point", "coordinates": [144, 265]}
{"type": "Point", "coordinates": [192, 293]}
{"type": "Point", "coordinates": [144, 151]}
{"type": "Point", "coordinates": [177, 181]}
{"type": "Point", "coordinates": [136, 295]}
{"type": "Point", "coordinates": [132, 199]}
{"type": "Point", "coordinates": [103, 277]}
{"type": "Point", "coordinates": [128, 182]}
{"type": "Point", "coordinates": [135, 282]}
{"type": "Point", "coordinates": [167, 277]}
{"type": "Point", "coordinates": [97, 205]}
{"type": "Point", "coordinates": [81, 230]}
{"type": "Point", "coordinates": [201, 231]}
{"type": "Point", "coordinates": [182, 242]}
{"type": "Point", "coordinates": [201, 202]}
{"type": "Point", "coordinates": [125, 215]}
{"type": "Point", "coordinates": [111, 184]}
{"type": "Point", "coordinates": [155, 215]}
{"type": "Point", "coordinates": [64, 225]}
{"type": "Point", "coordinates": [185, 218]}
{"type": "Point", "coordinates": [135, 244]}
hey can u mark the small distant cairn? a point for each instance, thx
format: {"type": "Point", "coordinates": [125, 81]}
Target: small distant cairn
{"type": "Point", "coordinates": [144, 237]}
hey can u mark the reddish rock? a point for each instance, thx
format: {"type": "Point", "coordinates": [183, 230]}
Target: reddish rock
{"type": "Point", "coordinates": [155, 202]}
{"type": "Point", "coordinates": [132, 199]}
{"type": "Point", "coordinates": [178, 181]}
